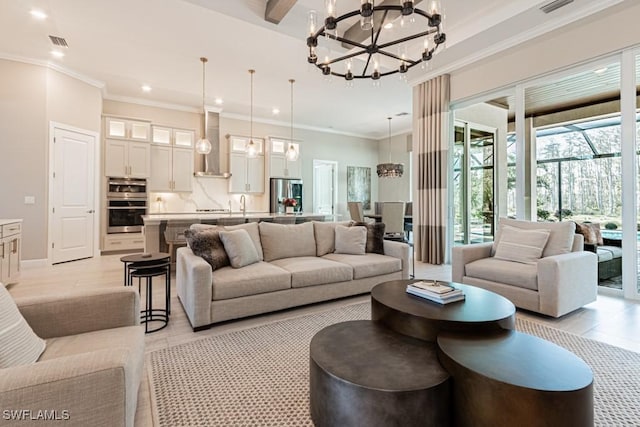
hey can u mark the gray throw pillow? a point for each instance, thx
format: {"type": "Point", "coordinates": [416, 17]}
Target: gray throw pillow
{"type": "Point", "coordinates": [19, 345]}
{"type": "Point", "coordinates": [239, 247]}
{"type": "Point", "coordinates": [375, 236]}
{"type": "Point", "coordinates": [207, 244]}
{"type": "Point", "coordinates": [351, 240]}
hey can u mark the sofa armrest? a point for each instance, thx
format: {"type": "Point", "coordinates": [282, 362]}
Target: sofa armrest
{"type": "Point", "coordinates": [194, 278]}
{"type": "Point", "coordinates": [567, 281]}
{"type": "Point", "coordinates": [76, 312]}
{"type": "Point", "coordinates": [71, 386]}
{"type": "Point", "coordinates": [463, 255]}
{"type": "Point", "coordinates": [398, 250]}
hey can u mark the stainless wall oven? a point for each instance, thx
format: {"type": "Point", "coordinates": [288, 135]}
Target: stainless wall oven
{"type": "Point", "coordinates": [126, 204]}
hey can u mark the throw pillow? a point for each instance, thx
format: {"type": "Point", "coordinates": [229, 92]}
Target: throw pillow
{"type": "Point", "coordinates": [207, 244]}
{"type": "Point", "coordinates": [351, 240]}
{"type": "Point", "coordinates": [560, 237]}
{"type": "Point", "coordinates": [239, 247]}
{"type": "Point", "coordinates": [254, 233]}
{"type": "Point", "coordinates": [375, 236]}
{"type": "Point", "coordinates": [595, 227]}
{"type": "Point", "coordinates": [325, 234]}
{"type": "Point", "coordinates": [588, 232]}
{"type": "Point", "coordinates": [520, 245]}
{"type": "Point", "coordinates": [19, 345]}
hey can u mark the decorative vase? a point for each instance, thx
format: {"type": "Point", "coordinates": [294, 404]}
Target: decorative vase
{"type": "Point", "coordinates": [288, 209]}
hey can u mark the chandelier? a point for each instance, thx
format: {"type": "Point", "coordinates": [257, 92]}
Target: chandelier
{"type": "Point", "coordinates": [390, 170]}
{"type": "Point", "coordinates": [372, 47]}
{"type": "Point", "coordinates": [203, 146]}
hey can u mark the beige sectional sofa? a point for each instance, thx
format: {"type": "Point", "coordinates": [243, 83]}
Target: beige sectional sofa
{"type": "Point", "coordinates": [297, 266]}
{"type": "Point", "coordinates": [562, 279]}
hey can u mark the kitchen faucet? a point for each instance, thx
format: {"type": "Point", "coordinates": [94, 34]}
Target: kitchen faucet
{"type": "Point", "coordinates": [243, 205]}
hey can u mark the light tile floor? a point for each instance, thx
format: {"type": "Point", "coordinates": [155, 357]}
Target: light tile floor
{"type": "Point", "coordinates": [609, 319]}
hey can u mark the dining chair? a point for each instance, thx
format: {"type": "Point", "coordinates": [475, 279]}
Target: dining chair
{"type": "Point", "coordinates": [284, 219]}
{"type": "Point", "coordinates": [356, 211]}
{"type": "Point", "coordinates": [408, 223]}
{"type": "Point", "coordinates": [231, 221]}
{"type": "Point", "coordinates": [393, 219]}
{"type": "Point", "coordinates": [378, 208]}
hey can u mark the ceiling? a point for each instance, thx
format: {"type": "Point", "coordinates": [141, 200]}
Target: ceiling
{"type": "Point", "coordinates": [124, 44]}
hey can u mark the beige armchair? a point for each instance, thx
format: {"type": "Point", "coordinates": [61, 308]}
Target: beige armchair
{"type": "Point", "coordinates": [562, 280]}
{"type": "Point", "coordinates": [90, 371]}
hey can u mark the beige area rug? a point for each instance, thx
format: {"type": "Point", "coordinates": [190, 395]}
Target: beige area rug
{"type": "Point", "coordinates": [259, 376]}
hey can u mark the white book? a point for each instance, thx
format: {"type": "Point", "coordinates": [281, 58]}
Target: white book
{"type": "Point", "coordinates": [453, 292]}
{"type": "Point", "coordinates": [433, 287]}
{"type": "Point", "coordinates": [438, 300]}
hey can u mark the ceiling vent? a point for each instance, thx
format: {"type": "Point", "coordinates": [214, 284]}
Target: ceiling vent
{"type": "Point", "coordinates": [58, 41]}
{"type": "Point", "coordinates": [554, 5]}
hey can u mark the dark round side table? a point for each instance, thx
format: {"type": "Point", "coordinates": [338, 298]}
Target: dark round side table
{"type": "Point", "coordinates": [148, 266]}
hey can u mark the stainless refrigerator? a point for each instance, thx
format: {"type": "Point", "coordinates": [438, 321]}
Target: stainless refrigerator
{"type": "Point", "coordinates": [282, 188]}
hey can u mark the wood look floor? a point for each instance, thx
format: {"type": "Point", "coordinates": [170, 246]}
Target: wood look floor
{"type": "Point", "coordinates": [610, 319]}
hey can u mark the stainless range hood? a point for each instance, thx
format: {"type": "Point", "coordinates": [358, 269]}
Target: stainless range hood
{"type": "Point", "coordinates": [209, 164]}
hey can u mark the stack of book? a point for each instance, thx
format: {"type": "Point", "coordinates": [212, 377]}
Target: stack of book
{"type": "Point", "coordinates": [435, 291]}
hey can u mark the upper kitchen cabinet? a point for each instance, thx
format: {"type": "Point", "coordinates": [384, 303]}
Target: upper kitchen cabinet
{"type": "Point", "coordinates": [127, 159]}
{"type": "Point", "coordinates": [135, 130]}
{"type": "Point", "coordinates": [171, 169]}
{"type": "Point", "coordinates": [169, 136]}
{"type": "Point", "coordinates": [279, 166]}
{"type": "Point", "coordinates": [247, 174]}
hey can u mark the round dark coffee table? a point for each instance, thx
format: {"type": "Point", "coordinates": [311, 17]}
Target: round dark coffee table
{"type": "Point", "coordinates": [363, 374]}
{"type": "Point", "coordinates": [481, 311]}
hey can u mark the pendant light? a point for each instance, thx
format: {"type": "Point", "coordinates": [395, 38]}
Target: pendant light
{"type": "Point", "coordinates": [390, 170]}
{"type": "Point", "coordinates": [203, 146]}
{"type": "Point", "coordinates": [291, 154]}
{"type": "Point", "coordinates": [251, 148]}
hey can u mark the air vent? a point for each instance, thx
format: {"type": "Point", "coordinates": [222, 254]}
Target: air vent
{"type": "Point", "coordinates": [402, 114]}
{"type": "Point", "coordinates": [554, 5]}
{"type": "Point", "coordinates": [58, 41]}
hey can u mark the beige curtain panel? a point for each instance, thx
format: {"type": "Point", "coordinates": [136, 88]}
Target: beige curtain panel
{"type": "Point", "coordinates": [430, 125]}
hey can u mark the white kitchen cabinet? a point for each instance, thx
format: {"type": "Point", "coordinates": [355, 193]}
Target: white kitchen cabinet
{"type": "Point", "coordinates": [171, 169]}
{"type": "Point", "coordinates": [279, 166]}
{"type": "Point", "coordinates": [127, 159]}
{"type": "Point", "coordinates": [136, 130]}
{"type": "Point", "coordinates": [10, 251]}
{"type": "Point", "coordinates": [176, 137]}
{"type": "Point", "coordinates": [247, 174]}
{"type": "Point", "coordinates": [123, 241]}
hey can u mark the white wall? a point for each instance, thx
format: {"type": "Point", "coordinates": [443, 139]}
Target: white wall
{"type": "Point", "coordinates": [30, 97]}
{"type": "Point", "coordinates": [395, 189]}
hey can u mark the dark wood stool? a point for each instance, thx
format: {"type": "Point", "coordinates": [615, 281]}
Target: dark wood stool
{"type": "Point", "coordinates": [515, 379]}
{"type": "Point", "coordinates": [148, 266]}
{"type": "Point", "coordinates": [363, 374]}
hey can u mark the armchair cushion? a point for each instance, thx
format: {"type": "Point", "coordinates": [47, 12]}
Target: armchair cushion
{"type": "Point", "coordinates": [501, 271]}
{"type": "Point", "coordinates": [560, 235]}
{"type": "Point", "coordinates": [19, 345]}
{"type": "Point", "coordinates": [523, 246]}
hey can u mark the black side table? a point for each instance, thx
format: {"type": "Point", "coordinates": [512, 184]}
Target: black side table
{"type": "Point", "coordinates": [148, 266]}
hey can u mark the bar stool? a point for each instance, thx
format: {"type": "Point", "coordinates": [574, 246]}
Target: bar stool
{"type": "Point", "coordinates": [231, 221]}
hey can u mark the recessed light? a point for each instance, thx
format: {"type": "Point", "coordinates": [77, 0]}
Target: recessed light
{"type": "Point", "coordinates": [146, 88]}
{"type": "Point", "coordinates": [600, 70]}
{"type": "Point", "coordinates": [218, 101]}
{"type": "Point", "coordinates": [275, 111]}
{"type": "Point", "coordinates": [38, 14]}
{"type": "Point", "coordinates": [57, 53]}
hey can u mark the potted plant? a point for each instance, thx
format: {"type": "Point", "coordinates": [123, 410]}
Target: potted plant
{"type": "Point", "coordinates": [289, 204]}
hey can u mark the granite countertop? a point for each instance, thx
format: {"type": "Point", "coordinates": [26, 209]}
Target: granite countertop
{"type": "Point", "coordinates": [157, 217]}
{"type": "Point", "coordinates": [9, 221]}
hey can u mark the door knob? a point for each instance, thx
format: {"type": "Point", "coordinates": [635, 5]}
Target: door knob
{"type": "Point", "coordinates": [90, 211]}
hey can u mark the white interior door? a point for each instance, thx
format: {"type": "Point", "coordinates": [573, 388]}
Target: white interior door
{"type": "Point", "coordinates": [73, 196]}
{"type": "Point", "coordinates": [324, 187]}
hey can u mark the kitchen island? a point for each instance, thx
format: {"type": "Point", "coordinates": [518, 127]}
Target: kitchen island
{"type": "Point", "coordinates": [158, 226]}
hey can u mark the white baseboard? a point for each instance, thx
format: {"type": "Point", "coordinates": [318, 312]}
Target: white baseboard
{"type": "Point", "coordinates": [27, 264]}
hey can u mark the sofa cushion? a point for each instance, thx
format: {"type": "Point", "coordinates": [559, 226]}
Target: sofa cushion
{"type": "Point", "coordinates": [604, 255]}
{"type": "Point", "coordinates": [351, 240]}
{"type": "Point", "coordinates": [311, 271]}
{"type": "Point", "coordinates": [368, 265]}
{"type": "Point", "coordinates": [518, 245]}
{"type": "Point", "coordinates": [254, 233]}
{"type": "Point", "coordinates": [615, 251]}
{"type": "Point", "coordinates": [19, 345]}
{"type": "Point", "coordinates": [207, 245]}
{"type": "Point", "coordinates": [325, 235]}
{"type": "Point", "coordinates": [253, 279]}
{"type": "Point", "coordinates": [507, 272]}
{"type": "Point", "coordinates": [560, 237]}
{"type": "Point", "coordinates": [287, 240]}
{"type": "Point", "coordinates": [375, 236]}
{"type": "Point", "coordinates": [239, 247]}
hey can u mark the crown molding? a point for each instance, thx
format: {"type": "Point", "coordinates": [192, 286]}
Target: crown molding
{"type": "Point", "coordinates": [547, 27]}
{"type": "Point", "coordinates": [150, 103]}
{"type": "Point", "coordinates": [53, 66]}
